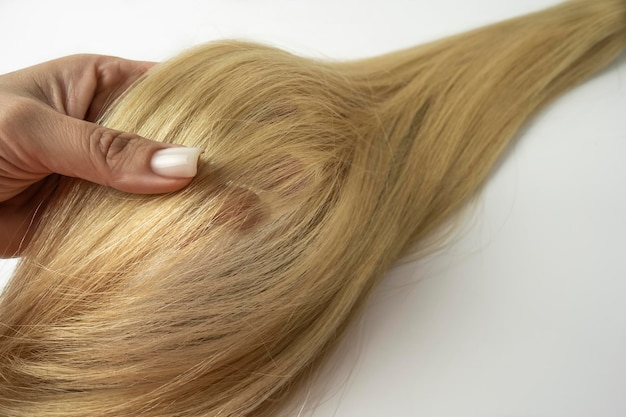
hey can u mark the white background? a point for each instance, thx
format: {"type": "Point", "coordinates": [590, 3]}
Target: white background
{"type": "Point", "coordinates": [525, 313]}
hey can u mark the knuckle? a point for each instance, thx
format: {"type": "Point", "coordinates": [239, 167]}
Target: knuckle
{"type": "Point", "coordinates": [16, 116]}
{"type": "Point", "coordinates": [81, 60]}
{"type": "Point", "coordinates": [110, 147]}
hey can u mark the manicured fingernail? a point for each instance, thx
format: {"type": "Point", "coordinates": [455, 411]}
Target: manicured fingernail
{"type": "Point", "coordinates": [176, 162]}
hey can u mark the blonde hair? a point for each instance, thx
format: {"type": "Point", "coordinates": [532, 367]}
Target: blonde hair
{"type": "Point", "coordinates": [316, 177]}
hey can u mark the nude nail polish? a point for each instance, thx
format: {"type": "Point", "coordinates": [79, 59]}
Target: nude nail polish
{"type": "Point", "coordinates": [179, 162]}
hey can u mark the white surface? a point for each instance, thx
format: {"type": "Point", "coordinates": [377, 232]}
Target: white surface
{"type": "Point", "coordinates": [524, 315]}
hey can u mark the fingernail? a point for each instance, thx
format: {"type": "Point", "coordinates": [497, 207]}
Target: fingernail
{"type": "Point", "coordinates": [176, 162]}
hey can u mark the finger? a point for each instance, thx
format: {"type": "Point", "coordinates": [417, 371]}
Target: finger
{"type": "Point", "coordinates": [19, 216]}
{"type": "Point", "coordinates": [117, 159]}
{"type": "Point", "coordinates": [81, 86]}
{"type": "Point", "coordinates": [113, 77]}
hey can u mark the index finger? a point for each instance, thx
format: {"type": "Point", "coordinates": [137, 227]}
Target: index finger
{"type": "Point", "coordinates": [113, 76]}
{"type": "Point", "coordinates": [80, 86]}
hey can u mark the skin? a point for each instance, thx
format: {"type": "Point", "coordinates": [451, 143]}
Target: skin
{"type": "Point", "coordinates": [46, 130]}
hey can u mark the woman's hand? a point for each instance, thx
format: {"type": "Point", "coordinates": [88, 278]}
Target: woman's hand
{"type": "Point", "coordinates": [46, 115]}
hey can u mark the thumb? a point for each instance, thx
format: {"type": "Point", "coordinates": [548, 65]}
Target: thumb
{"type": "Point", "coordinates": [109, 157]}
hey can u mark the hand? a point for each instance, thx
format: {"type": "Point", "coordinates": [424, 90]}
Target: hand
{"type": "Point", "coordinates": [46, 127]}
